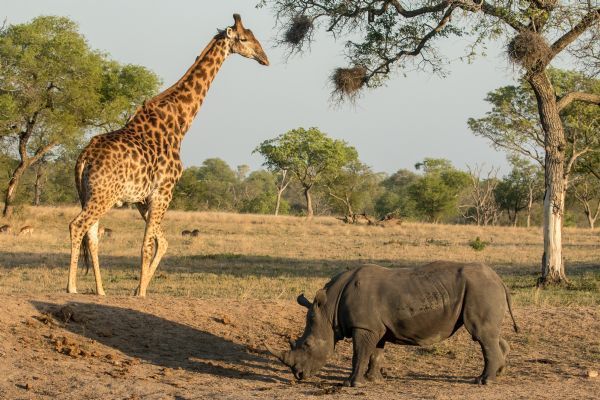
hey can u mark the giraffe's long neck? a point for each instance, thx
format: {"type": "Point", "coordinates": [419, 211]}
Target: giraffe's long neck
{"type": "Point", "coordinates": [185, 97]}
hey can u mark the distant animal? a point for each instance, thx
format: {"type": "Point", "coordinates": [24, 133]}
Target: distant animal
{"type": "Point", "coordinates": [26, 230]}
{"type": "Point", "coordinates": [102, 231]}
{"type": "Point", "coordinates": [6, 229]}
{"type": "Point", "coordinates": [186, 233]}
{"type": "Point", "coordinates": [196, 233]}
{"type": "Point", "coordinates": [141, 163]}
{"type": "Point", "coordinates": [408, 306]}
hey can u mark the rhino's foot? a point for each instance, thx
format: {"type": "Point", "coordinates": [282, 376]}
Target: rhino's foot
{"type": "Point", "coordinates": [374, 376]}
{"type": "Point", "coordinates": [355, 382]}
{"type": "Point", "coordinates": [484, 380]}
{"type": "Point", "coordinates": [501, 370]}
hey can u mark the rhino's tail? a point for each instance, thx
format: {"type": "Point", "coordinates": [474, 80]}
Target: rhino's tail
{"type": "Point", "coordinates": [509, 302]}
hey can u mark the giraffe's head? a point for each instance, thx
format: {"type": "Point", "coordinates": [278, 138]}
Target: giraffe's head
{"type": "Point", "coordinates": [244, 43]}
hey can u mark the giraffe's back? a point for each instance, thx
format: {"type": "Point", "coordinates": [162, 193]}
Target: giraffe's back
{"type": "Point", "coordinates": [127, 166]}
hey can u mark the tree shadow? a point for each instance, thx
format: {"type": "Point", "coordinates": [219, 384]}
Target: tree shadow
{"type": "Point", "coordinates": [162, 342]}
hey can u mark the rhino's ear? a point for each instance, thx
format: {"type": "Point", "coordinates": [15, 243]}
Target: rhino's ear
{"type": "Point", "coordinates": [320, 298]}
{"type": "Point", "coordinates": [303, 301]}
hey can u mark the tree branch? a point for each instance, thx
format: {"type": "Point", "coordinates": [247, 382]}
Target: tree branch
{"type": "Point", "coordinates": [385, 66]}
{"type": "Point", "coordinates": [568, 98]}
{"type": "Point", "coordinates": [502, 14]}
{"type": "Point", "coordinates": [575, 32]}
{"type": "Point", "coordinates": [42, 152]}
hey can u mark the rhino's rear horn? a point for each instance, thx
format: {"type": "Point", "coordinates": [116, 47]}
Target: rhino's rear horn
{"type": "Point", "coordinates": [283, 356]}
{"type": "Point", "coordinates": [303, 301]}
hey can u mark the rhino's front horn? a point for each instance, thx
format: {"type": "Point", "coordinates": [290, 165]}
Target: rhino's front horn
{"type": "Point", "coordinates": [282, 356]}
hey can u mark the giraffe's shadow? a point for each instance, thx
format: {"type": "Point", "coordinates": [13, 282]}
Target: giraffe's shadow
{"type": "Point", "coordinates": [162, 342]}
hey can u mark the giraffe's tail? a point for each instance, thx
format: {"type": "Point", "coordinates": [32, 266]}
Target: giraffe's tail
{"type": "Point", "coordinates": [84, 252]}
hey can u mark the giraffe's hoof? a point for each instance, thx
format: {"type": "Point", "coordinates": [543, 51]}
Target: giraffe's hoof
{"type": "Point", "coordinates": [72, 290]}
{"type": "Point", "coordinates": [101, 293]}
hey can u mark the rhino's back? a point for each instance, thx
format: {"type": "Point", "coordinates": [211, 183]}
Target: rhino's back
{"type": "Point", "coordinates": [416, 305]}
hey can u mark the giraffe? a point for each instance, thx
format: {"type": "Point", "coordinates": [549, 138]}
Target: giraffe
{"type": "Point", "coordinates": [140, 162]}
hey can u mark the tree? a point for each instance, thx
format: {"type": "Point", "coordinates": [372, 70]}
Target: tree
{"type": "Point", "coordinates": [387, 35]}
{"type": "Point", "coordinates": [396, 198]}
{"type": "Point", "coordinates": [436, 193]}
{"type": "Point", "coordinates": [274, 155]}
{"type": "Point", "coordinates": [482, 207]}
{"type": "Point", "coordinates": [307, 154]}
{"type": "Point", "coordinates": [586, 190]}
{"type": "Point", "coordinates": [519, 189]}
{"type": "Point", "coordinates": [53, 87]}
{"type": "Point", "coordinates": [514, 124]}
{"type": "Point", "coordinates": [352, 188]}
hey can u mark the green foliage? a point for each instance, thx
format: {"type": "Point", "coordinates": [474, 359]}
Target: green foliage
{"type": "Point", "coordinates": [54, 89]}
{"type": "Point", "coordinates": [523, 184]}
{"type": "Point", "coordinates": [397, 198]}
{"type": "Point", "coordinates": [478, 244]}
{"type": "Point", "coordinates": [513, 123]}
{"type": "Point", "coordinates": [308, 154]}
{"type": "Point", "coordinates": [436, 193]}
{"type": "Point", "coordinates": [352, 189]}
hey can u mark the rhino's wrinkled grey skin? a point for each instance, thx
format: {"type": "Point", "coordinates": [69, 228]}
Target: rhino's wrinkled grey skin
{"type": "Point", "coordinates": [421, 306]}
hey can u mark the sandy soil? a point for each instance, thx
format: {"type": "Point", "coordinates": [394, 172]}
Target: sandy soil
{"type": "Point", "coordinates": [84, 347]}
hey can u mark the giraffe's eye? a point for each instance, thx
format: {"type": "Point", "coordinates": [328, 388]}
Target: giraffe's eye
{"type": "Point", "coordinates": [243, 39]}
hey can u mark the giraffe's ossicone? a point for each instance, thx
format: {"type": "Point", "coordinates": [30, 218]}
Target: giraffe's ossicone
{"type": "Point", "coordinates": [140, 162]}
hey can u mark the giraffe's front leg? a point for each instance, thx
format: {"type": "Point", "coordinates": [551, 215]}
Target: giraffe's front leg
{"type": "Point", "coordinates": [154, 245]}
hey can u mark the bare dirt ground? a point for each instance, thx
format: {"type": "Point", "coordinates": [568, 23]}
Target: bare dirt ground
{"type": "Point", "coordinates": [85, 347]}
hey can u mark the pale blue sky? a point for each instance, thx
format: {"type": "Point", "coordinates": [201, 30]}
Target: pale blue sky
{"type": "Point", "coordinates": [393, 127]}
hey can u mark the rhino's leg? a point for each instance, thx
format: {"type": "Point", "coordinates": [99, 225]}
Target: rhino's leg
{"type": "Point", "coordinates": [493, 358]}
{"type": "Point", "coordinates": [364, 343]}
{"type": "Point", "coordinates": [374, 373]}
{"type": "Point", "coordinates": [505, 350]}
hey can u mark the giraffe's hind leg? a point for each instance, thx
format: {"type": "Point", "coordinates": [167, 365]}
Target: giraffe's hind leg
{"type": "Point", "coordinates": [155, 244]}
{"type": "Point", "coordinates": [92, 238]}
{"type": "Point", "coordinates": [81, 224]}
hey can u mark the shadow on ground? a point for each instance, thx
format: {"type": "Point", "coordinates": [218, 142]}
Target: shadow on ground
{"type": "Point", "coordinates": [162, 342]}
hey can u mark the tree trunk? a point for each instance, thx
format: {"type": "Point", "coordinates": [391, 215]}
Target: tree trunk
{"type": "Point", "coordinates": [279, 193]}
{"type": "Point", "coordinates": [309, 207]}
{"type": "Point", "coordinates": [529, 205]}
{"type": "Point", "coordinates": [39, 175]}
{"type": "Point", "coordinates": [553, 270]}
{"type": "Point", "coordinates": [12, 188]}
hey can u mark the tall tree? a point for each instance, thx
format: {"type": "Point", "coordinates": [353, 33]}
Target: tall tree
{"type": "Point", "coordinates": [514, 123]}
{"type": "Point", "coordinates": [53, 88]}
{"type": "Point", "coordinates": [387, 35]}
{"type": "Point", "coordinates": [307, 154]}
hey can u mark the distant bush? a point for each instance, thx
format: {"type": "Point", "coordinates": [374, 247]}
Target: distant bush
{"type": "Point", "coordinates": [478, 244]}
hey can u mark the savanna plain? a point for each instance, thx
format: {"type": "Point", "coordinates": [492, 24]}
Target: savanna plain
{"type": "Point", "coordinates": [216, 299]}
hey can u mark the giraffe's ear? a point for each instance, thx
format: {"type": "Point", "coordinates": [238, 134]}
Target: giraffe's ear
{"type": "Point", "coordinates": [229, 33]}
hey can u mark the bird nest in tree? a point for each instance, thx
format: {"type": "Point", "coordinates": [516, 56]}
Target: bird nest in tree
{"type": "Point", "coordinates": [528, 49]}
{"type": "Point", "coordinates": [348, 81]}
{"type": "Point", "coordinates": [298, 30]}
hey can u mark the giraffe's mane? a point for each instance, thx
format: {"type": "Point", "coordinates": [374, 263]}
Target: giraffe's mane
{"type": "Point", "coordinates": [173, 87]}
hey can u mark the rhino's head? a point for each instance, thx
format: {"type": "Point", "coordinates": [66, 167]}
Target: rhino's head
{"type": "Point", "coordinates": [310, 352]}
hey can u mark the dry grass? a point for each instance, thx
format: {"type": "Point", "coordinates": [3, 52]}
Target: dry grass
{"type": "Point", "coordinates": [266, 257]}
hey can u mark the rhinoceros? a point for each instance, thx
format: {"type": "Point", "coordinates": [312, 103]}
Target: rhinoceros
{"type": "Point", "coordinates": [408, 306]}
